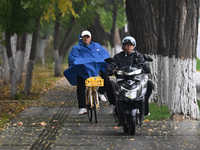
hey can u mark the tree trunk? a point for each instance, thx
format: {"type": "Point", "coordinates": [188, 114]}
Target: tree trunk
{"type": "Point", "coordinates": [5, 72]}
{"type": "Point", "coordinates": [168, 31]}
{"type": "Point", "coordinates": [30, 65]}
{"type": "Point", "coordinates": [114, 24]}
{"type": "Point", "coordinates": [21, 44]}
{"type": "Point", "coordinates": [57, 71]}
{"type": "Point", "coordinates": [98, 33]}
{"type": "Point", "coordinates": [40, 52]}
{"type": "Point", "coordinates": [12, 67]}
{"type": "Point", "coordinates": [71, 39]}
{"type": "Point", "coordinates": [27, 50]}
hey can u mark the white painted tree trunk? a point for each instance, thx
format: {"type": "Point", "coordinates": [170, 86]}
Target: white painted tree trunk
{"type": "Point", "coordinates": [113, 51]}
{"type": "Point", "coordinates": [40, 53]}
{"type": "Point", "coordinates": [13, 41]}
{"type": "Point", "coordinates": [107, 49]}
{"type": "Point", "coordinates": [118, 48]}
{"type": "Point", "coordinates": [5, 74]}
{"type": "Point", "coordinates": [175, 85]}
{"type": "Point", "coordinates": [27, 50]}
{"type": "Point", "coordinates": [58, 62]}
{"type": "Point", "coordinates": [184, 90]}
{"type": "Point", "coordinates": [20, 63]}
{"type": "Point", "coordinates": [28, 80]}
{"type": "Point", "coordinates": [13, 79]}
{"type": "Point", "coordinates": [163, 84]}
{"type": "Point", "coordinates": [154, 77]}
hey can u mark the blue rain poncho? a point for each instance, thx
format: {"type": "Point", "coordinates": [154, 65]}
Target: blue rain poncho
{"type": "Point", "coordinates": [85, 61]}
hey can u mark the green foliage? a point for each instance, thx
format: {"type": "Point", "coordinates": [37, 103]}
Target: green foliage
{"type": "Point", "coordinates": [158, 113]}
{"type": "Point", "coordinates": [19, 16]}
{"type": "Point", "coordinates": [46, 28]}
{"type": "Point", "coordinates": [106, 17]}
{"type": "Point", "coordinates": [86, 11]}
{"type": "Point", "coordinates": [16, 16]}
{"type": "Point", "coordinates": [121, 17]}
{"type": "Point", "coordinates": [198, 64]}
{"type": "Point", "coordinates": [198, 101]}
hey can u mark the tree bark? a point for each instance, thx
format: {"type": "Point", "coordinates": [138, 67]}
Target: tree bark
{"type": "Point", "coordinates": [112, 36]}
{"type": "Point", "coordinates": [30, 64]}
{"type": "Point", "coordinates": [21, 45]}
{"type": "Point", "coordinates": [12, 67]}
{"type": "Point", "coordinates": [40, 52]}
{"type": "Point", "coordinates": [57, 71]}
{"type": "Point", "coordinates": [167, 30]}
{"type": "Point", "coordinates": [5, 72]}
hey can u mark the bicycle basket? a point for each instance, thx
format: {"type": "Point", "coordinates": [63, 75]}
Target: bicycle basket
{"type": "Point", "coordinates": [94, 82]}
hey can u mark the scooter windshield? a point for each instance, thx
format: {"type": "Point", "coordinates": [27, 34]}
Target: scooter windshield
{"type": "Point", "coordinates": [129, 71]}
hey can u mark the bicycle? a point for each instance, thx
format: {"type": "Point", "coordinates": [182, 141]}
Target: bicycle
{"type": "Point", "coordinates": [92, 100]}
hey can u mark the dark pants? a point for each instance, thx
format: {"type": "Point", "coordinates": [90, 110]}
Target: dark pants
{"type": "Point", "coordinates": [147, 95]}
{"type": "Point", "coordinates": [106, 88]}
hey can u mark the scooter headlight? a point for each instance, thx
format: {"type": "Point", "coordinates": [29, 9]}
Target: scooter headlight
{"type": "Point", "coordinates": [119, 72]}
{"type": "Point", "coordinates": [131, 94]}
{"type": "Point", "coordinates": [138, 71]}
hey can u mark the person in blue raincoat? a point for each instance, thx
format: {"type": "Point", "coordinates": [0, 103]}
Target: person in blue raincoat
{"type": "Point", "coordinates": [86, 59]}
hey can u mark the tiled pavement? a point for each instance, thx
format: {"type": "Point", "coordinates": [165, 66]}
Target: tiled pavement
{"type": "Point", "coordinates": [54, 124]}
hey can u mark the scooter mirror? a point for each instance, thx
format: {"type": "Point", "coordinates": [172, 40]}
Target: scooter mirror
{"type": "Point", "coordinates": [147, 57]}
{"type": "Point", "coordinates": [108, 60]}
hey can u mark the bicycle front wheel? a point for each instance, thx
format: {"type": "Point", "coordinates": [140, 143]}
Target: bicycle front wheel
{"type": "Point", "coordinates": [94, 107]}
{"type": "Point", "coordinates": [89, 111]}
{"type": "Point", "coordinates": [88, 103]}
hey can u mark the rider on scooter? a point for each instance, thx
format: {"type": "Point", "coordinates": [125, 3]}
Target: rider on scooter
{"type": "Point", "coordinates": [131, 57]}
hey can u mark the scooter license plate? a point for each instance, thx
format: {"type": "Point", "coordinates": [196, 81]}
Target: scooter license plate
{"type": "Point", "coordinates": [131, 94]}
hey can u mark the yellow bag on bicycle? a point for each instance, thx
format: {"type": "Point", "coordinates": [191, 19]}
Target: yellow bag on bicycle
{"type": "Point", "coordinates": [94, 82]}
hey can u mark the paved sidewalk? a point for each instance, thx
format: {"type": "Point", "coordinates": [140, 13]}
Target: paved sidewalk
{"type": "Point", "coordinates": [54, 124]}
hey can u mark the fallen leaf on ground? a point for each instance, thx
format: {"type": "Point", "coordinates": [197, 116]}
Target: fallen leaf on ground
{"type": "Point", "coordinates": [20, 123]}
{"type": "Point", "coordinates": [131, 139]}
{"type": "Point", "coordinates": [34, 123]}
{"type": "Point", "coordinates": [42, 123]}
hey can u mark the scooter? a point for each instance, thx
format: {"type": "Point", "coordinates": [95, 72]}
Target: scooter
{"type": "Point", "coordinates": [130, 87]}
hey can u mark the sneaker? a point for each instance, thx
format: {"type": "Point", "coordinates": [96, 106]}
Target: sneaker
{"type": "Point", "coordinates": [112, 110]}
{"type": "Point", "coordinates": [102, 97]}
{"type": "Point", "coordinates": [82, 111]}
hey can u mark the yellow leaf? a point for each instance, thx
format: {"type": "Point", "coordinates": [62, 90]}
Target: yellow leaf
{"type": "Point", "coordinates": [42, 124]}
{"type": "Point", "coordinates": [131, 139]}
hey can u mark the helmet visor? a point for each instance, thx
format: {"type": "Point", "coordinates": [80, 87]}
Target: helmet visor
{"type": "Point", "coordinates": [128, 41]}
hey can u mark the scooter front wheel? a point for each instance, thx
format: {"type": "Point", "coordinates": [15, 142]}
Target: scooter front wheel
{"type": "Point", "coordinates": [125, 128]}
{"type": "Point", "coordinates": [132, 125]}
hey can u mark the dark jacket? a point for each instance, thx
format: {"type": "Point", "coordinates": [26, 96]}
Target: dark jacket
{"type": "Point", "coordinates": [123, 59]}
